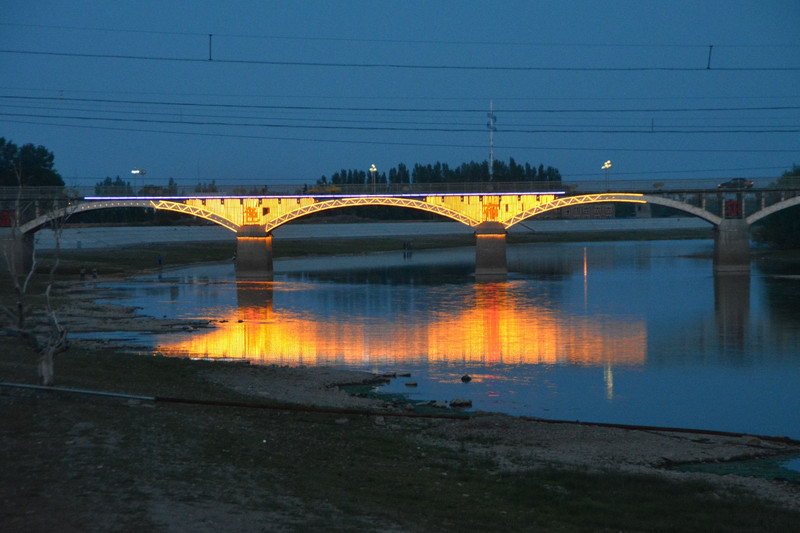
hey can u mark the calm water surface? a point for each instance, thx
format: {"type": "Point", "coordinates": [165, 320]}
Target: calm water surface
{"type": "Point", "coordinates": [633, 333]}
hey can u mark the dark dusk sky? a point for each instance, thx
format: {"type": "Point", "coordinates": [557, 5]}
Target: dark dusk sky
{"type": "Point", "coordinates": [288, 91]}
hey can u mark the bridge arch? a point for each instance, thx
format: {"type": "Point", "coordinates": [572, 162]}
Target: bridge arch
{"type": "Point", "coordinates": [419, 203]}
{"type": "Point", "coordinates": [165, 205]}
{"type": "Point", "coordinates": [774, 208]}
{"type": "Point", "coordinates": [686, 208]}
{"type": "Point", "coordinates": [565, 201]}
{"type": "Point", "coordinates": [337, 203]}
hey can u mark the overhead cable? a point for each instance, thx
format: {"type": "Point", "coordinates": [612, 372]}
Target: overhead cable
{"type": "Point", "coordinates": [372, 141]}
{"type": "Point", "coordinates": [401, 109]}
{"type": "Point", "coordinates": [407, 66]}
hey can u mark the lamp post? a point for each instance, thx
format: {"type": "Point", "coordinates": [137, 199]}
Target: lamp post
{"type": "Point", "coordinates": [137, 172]}
{"type": "Point", "coordinates": [373, 171]}
{"type": "Point", "coordinates": [607, 166]}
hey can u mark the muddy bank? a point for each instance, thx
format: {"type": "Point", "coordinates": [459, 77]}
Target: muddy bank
{"type": "Point", "coordinates": [515, 445]}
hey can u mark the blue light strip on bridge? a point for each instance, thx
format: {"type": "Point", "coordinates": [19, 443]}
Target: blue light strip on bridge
{"type": "Point", "coordinates": [331, 196]}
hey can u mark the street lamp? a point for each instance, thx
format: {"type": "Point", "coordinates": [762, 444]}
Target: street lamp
{"type": "Point", "coordinates": [607, 166]}
{"type": "Point", "coordinates": [137, 172]}
{"type": "Point", "coordinates": [373, 170]}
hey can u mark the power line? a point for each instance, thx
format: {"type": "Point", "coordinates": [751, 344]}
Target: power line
{"type": "Point", "coordinates": [401, 66]}
{"type": "Point", "coordinates": [441, 129]}
{"type": "Point", "coordinates": [241, 124]}
{"type": "Point", "coordinates": [372, 141]}
{"type": "Point", "coordinates": [411, 98]}
{"type": "Point", "coordinates": [579, 125]}
{"type": "Point", "coordinates": [362, 39]}
{"type": "Point", "coordinates": [740, 169]}
{"type": "Point", "coordinates": [397, 109]}
{"type": "Point", "coordinates": [196, 119]}
{"type": "Point", "coordinates": [315, 118]}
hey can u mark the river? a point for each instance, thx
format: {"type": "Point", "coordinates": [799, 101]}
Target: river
{"type": "Point", "coordinates": [625, 332]}
{"type": "Point", "coordinates": [81, 237]}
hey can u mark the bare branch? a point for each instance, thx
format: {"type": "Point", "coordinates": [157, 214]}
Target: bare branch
{"type": "Point", "coordinates": [54, 340]}
{"type": "Point", "coordinates": [8, 312]}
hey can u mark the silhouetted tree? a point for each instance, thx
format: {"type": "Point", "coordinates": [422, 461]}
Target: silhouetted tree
{"type": "Point", "coordinates": [442, 173]}
{"type": "Point", "coordinates": [206, 187]}
{"type": "Point", "coordinates": [782, 229]}
{"type": "Point", "coordinates": [116, 187]}
{"type": "Point", "coordinates": [32, 164]}
{"type": "Point", "coordinates": [45, 339]}
{"type": "Point", "coordinates": [399, 174]}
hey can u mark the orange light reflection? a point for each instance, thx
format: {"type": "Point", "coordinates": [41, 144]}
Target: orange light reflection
{"type": "Point", "coordinates": [491, 328]}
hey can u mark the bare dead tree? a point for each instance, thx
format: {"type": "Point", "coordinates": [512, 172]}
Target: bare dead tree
{"type": "Point", "coordinates": [45, 341]}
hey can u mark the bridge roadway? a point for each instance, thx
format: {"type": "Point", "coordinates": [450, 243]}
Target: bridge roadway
{"type": "Point", "coordinates": [253, 218]}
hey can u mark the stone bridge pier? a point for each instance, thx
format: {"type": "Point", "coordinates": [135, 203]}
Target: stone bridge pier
{"type": "Point", "coordinates": [732, 246]}
{"type": "Point", "coordinates": [254, 253]}
{"type": "Point", "coordinates": [490, 252]}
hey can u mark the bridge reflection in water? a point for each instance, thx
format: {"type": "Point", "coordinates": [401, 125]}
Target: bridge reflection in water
{"type": "Point", "coordinates": [493, 325]}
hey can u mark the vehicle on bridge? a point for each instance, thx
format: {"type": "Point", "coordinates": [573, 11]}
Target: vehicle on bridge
{"type": "Point", "coordinates": [736, 183]}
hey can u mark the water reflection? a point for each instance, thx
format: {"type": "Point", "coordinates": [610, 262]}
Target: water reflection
{"type": "Point", "coordinates": [638, 333]}
{"type": "Point", "coordinates": [732, 309]}
{"type": "Point", "coordinates": [484, 323]}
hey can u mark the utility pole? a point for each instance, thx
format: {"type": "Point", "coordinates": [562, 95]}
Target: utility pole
{"type": "Point", "coordinates": [492, 129]}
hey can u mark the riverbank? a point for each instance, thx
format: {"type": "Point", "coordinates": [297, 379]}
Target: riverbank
{"type": "Point", "coordinates": [210, 445]}
{"type": "Point", "coordinates": [255, 448]}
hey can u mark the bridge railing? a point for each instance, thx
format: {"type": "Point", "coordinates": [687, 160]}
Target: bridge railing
{"type": "Point", "coordinates": [568, 187]}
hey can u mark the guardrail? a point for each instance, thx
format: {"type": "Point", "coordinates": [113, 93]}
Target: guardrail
{"type": "Point", "coordinates": [568, 187]}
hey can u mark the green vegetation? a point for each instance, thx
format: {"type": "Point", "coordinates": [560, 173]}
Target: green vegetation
{"type": "Point", "coordinates": [31, 165]}
{"type": "Point", "coordinates": [443, 173]}
{"type": "Point", "coordinates": [117, 187]}
{"type": "Point", "coordinates": [782, 229]}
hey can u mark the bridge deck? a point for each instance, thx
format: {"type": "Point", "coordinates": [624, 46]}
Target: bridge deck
{"type": "Point", "coordinates": [236, 210]}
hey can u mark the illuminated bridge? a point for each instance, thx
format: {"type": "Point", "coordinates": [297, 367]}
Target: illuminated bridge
{"type": "Point", "coordinates": [253, 217]}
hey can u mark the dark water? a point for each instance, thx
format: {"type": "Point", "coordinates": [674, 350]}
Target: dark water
{"type": "Point", "coordinates": [633, 333]}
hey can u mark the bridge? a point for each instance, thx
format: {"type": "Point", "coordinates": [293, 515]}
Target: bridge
{"type": "Point", "coordinates": [490, 209]}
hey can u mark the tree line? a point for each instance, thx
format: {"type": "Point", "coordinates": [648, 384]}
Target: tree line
{"type": "Point", "coordinates": [27, 165]}
{"type": "Point", "coordinates": [443, 173]}
{"type": "Point", "coordinates": [782, 229]}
